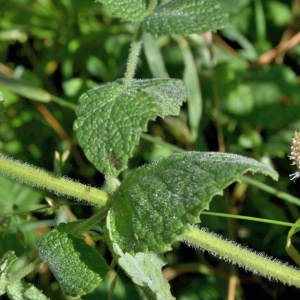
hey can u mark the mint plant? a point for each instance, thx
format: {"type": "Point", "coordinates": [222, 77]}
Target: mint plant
{"type": "Point", "coordinates": [157, 204]}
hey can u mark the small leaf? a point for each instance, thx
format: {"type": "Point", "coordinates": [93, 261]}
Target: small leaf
{"type": "Point", "coordinates": [185, 17]}
{"type": "Point", "coordinates": [144, 269]}
{"type": "Point", "coordinates": [128, 10]}
{"type": "Point", "coordinates": [76, 266]}
{"type": "Point", "coordinates": [7, 259]}
{"type": "Point", "coordinates": [155, 202]}
{"type": "Point", "coordinates": [109, 120]}
{"type": "Point", "coordinates": [22, 290]}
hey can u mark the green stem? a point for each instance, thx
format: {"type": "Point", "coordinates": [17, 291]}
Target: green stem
{"type": "Point", "coordinates": [250, 219]}
{"type": "Point", "coordinates": [56, 184]}
{"type": "Point", "coordinates": [151, 6]}
{"type": "Point", "coordinates": [24, 272]}
{"type": "Point", "coordinates": [271, 190]}
{"type": "Point", "coordinates": [133, 57]}
{"type": "Point", "coordinates": [85, 225]}
{"type": "Point", "coordinates": [240, 256]}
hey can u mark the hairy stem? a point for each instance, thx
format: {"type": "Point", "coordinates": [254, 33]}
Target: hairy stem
{"type": "Point", "coordinates": [133, 57]}
{"type": "Point", "coordinates": [244, 258]}
{"type": "Point", "coordinates": [56, 184]}
{"type": "Point", "coordinates": [24, 271]}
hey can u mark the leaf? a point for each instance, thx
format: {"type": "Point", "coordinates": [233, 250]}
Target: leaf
{"type": "Point", "coordinates": [185, 17]}
{"type": "Point", "coordinates": [20, 290]}
{"type": "Point", "coordinates": [155, 202]}
{"type": "Point", "coordinates": [168, 93]}
{"type": "Point", "coordinates": [154, 57]}
{"type": "Point", "coordinates": [128, 10]}
{"type": "Point", "coordinates": [109, 120]}
{"type": "Point", "coordinates": [76, 266]}
{"type": "Point", "coordinates": [144, 269]}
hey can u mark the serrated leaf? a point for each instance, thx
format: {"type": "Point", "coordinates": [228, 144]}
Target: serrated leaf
{"type": "Point", "coordinates": [185, 17]}
{"type": "Point", "coordinates": [168, 93]}
{"type": "Point", "coordinates": [76, 266]}
{"type": "Point", "coordinates": [144, 269]}
{"type": "Point", "coordinates": [22, 290]}
{"type": "Point", "coordinates": [155, 202]}
{"type": "Point", "coordinates": [128, 10]}
{"type": "Point", "coordinates": [109, 120]}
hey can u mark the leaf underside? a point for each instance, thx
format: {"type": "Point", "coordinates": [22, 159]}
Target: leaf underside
{"type": "Point", "coordinates": [76, 266]}
{"type": "Point", "coordinates": [109, 120]}
{"type": "Point", "coordinates": [128, 10]}
{"type": "Point", "coordinates": [185, 17]}
{"type": "Point", "coordinates": [20, 289]}
{"type": "Point", "coordinates": [145, 270]}
{"type": "Point", "coordinates": [155, 202]}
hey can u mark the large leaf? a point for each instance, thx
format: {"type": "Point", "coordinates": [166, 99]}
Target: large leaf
{"type": "Point", "coordinates": [185, 17]}
{"type": "Point", "coordinates": [155, 202]}
{"type": "Point", "coordinates": [128, 10]}
{"type": "Point", "coordinates": [110, 120]}
{"type": "Point", "coordinates": [7, 259]}
{"type": "Point", "coordinates": [76, 266]}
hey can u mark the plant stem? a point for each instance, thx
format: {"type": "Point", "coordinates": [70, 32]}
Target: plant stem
{"type": "Point", "coordinates": [242, 257]}
{"type": "Point", "coordinates": [151, 6]}
{"type": "Point", "coordinates": [85, 225]}
{"type": "Point", "coordinates": [133, 57]}
{"type": "Point", "coordinates": [24, 271]}
{"type": "Point", "coordinates": [274, 222]}
{"type": "Point", "coordinates": [110, 181]}
{"type": "Point", "coordinates": [271, 190]}
{"type": "Point", "coordinates": [56, 184]}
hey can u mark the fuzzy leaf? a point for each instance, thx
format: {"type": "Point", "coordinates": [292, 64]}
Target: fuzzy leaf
{"type": "Point", "coordinates": [109, 120]}
{"type": "Point", "coordinates": [145, 270]}
{"type": "Point", "coordinates": [155, 202]}
{"type": "Point", "coordinates": [76, 266]}
{"type": "Point", "coordinates": [128, 10]}
{"type": "Point", "coordinates": [185, 17]}
{"type": "Point", "coordinates": [22, 290]}
{"type": "Point", "coordinates": [168, 93]}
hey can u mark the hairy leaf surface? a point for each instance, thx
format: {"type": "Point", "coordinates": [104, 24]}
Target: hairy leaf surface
{"type": "Point", "coordinates": [20, 290]}
{"type": "Point", "coordinates": [109, 120]}
{"type": "Point", "coordinates": [155, 202]}
{"type": "Point", "coordinates": [168, 93]}
{"type": "Point", "coordinates": [76, 266]}
{"type": "Point", "coordinates": [185, 17]}
{"type": "Point", "coordinates": [128, 10]}
{"type": "Point", "coordinates": [144, 269]}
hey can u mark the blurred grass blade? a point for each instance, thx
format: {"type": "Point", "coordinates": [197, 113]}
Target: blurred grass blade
{"type": "Point", "coordinates": [32, 92]}
{"type": "Point", "coordinates": [290, 249]}
{"type": "Point", "coordinates": [260, 21]}
{"type": "Point", "coordinates": [193, 86]}
{"type": "Point", "coordinates": [154, 57]}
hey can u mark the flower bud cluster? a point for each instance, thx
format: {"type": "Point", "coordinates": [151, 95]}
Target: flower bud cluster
{"type": "Point", "coordinates": [295, 154]}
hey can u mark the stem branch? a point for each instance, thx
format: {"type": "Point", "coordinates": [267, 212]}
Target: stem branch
{"type": "Point", "coordinates": [242, 257]}
{"type": "Point", "coordinates": [56, 184]}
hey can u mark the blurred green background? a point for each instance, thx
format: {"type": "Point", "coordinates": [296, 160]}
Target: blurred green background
{"type": "Point", "coordinates": [244, 98]}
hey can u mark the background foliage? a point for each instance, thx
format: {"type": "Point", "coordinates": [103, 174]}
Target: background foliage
{"type": "Point", "coordinates": [51, 51]}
